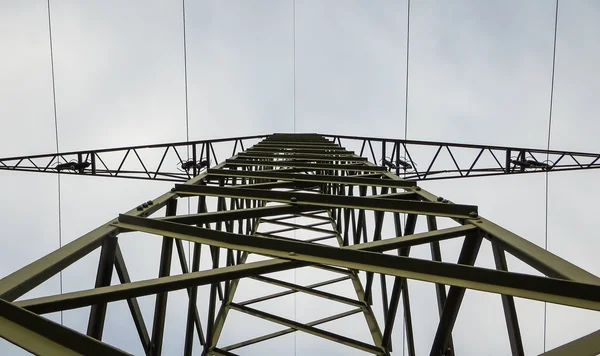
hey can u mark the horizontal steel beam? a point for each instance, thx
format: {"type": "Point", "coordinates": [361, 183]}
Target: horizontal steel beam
{"type": "Point", "coordinates": [229, 215]}
{"type": "Point", "coordinates": [290, 330]}
{"type": "Point", "coordinates": [311, 291]}
{"type": "Point", "coordinates": [298, 156]}
{"type": "Point", "coordinates": [304, 165]}
{"type": "Point", "coordinates": [313, 178]}
{"type": "Point", "coordinates": [335, 201]}
{"type": "Point", "coordinates": [84, 298]}
{"type": "Point", "coordinates": [135, 289]}
{"type": "Point", "coordinates": [551, 290]}
{"type": "Point", "coordinates": [308, 329]}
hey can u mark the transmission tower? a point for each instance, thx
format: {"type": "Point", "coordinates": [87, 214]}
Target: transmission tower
{"type": "Point", "coordinates": [291, 202]}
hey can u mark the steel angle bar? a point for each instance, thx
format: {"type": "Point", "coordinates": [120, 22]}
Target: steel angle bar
{"type": "Point", "coordinates": [467, 256]}
{"type": "Point", "coordinates": [301, 157]}
{"type": "Point", "coordinates": [74, 300]}
{"type": "Point", "coordinates": [312, 227]}
{"type": "Point", "coordinates": [250, 213]}
{"type": "Point", "coordinates": [133, 289]}
{"type": "Point", "coordinates": [278, 185]}
{"type": "Point", "coordinates": [508, 304]}
{"type": "Point", "coordinates": [532, 254]}
{"type": "Point", "coordinates": [551, 290]}
{"type": "Point", "coordinates": [313, 178]}
{"type": "Point", "coordinates": [41, 336]}
{"type": "Point", "coordinates": [327, 200]}
{"type": "Point", "coordinates": [312, 166]}
{"type": "Point", "coordinates": [103, 278]}
{"type": "Point", "coordinates": [134, 307]}
{"type": "Point", "coordinates": [309, 329]}
{"type": "Point", "coordinates": [290, 330]}
{"type": "Point", "coordinates": [292, 291]}
{"type": "Point", "coordinates": [340, 151]}
{"type": "Point", "coordinates": [311, 291]}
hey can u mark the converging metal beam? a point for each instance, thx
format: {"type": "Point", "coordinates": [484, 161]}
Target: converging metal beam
{"type": "Point", "coordinates": [103, 277]}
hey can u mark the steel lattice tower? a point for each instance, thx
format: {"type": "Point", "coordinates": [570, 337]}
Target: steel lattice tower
{"type": "Point", "coordinates": [334, 210]}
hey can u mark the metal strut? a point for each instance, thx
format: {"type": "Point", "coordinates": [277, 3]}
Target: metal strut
{"type": "Point", "coordinates": [299, 201]}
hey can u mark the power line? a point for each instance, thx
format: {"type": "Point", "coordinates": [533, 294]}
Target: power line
{"type": "Point", "coordinates": [294, 107]}
{"type": "Point", "coordinates": [187, 116]}
{"type": "Point", "coordinates": [294, 41]}
{"type": "Point", "coordinates": [60, 276]}
{"type": "Point", "coordinates": [406, 130]}
{"type": "Point", "coordinates": [548, 155]}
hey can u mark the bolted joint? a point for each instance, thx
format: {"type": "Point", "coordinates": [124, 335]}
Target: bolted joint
{"type": "Point", "coordinates": [473, 214]}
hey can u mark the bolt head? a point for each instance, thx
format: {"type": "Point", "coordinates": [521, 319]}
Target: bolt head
{"type": "Point", "coordinates": [145, 205]}
{"type": "Point", "coordinates": [446, 201]}
{"type": "Point", "coordinates": [292, 253]}
{"type": "Point", "coordinates": [473, 214]}
{"type": "Point", "coordinates": [150, 202]}
{"type": "Point", "coordinates": [173, 190]}
{"type": "Point", "coordinates": [440, 199]}
{"type": "Point", "coordinates": [293, 199]}
{"type": "Point", "coordinates": [139, 208]}
{"type": "Point", "coordinates": [418, 188]}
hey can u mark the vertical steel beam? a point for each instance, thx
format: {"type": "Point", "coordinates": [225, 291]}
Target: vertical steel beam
{"type": "Point", "coordinates": [103, 278]}
{"type": "Point", "coordinates": [411, 223]}
{"type": "Point", "coordinates": [468, 255]}
{"type": "Point", "coordinates": [440, 289]}
{"type": "Point", "coordinates": [160, 308]}
{"type": "Point", "coordinates": [508, 304]}
{"type": "Point", "coordinates": [192, 314]}
{"type": "Point", "coordinates": [410, 340]}
{"type": "Point", "coordinates": [184, 269]}
{"type": "Point", "coordinates": [134, 307]}
{"type": "Point", "coordinates": [212, 303]}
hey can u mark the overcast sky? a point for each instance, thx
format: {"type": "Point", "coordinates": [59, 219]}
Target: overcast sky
{"type": "Point", "coordinates": [479, 72]}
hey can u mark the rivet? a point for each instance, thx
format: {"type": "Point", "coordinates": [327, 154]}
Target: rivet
{"type": "Point", "coordinates": [145, 205]}
{"type": "Point", "coordinates": [445, 201]}
{"type": "Point", "coordinates": [173, 190]}
{"type": "Point", "coordinates": [418, 188]}
{"type": "Point", "coordinates": [292, 253]}
{"type": "Point", "coordinates": [150, 202]}
{"type": "Point", "coordinates": [139, 208]}
{"type": "Point", "coordinates": [440, 199]}
{"type": "Point", "coordinates": [293, 199]}
{"type": "Point", "coordinates": [473, 214]}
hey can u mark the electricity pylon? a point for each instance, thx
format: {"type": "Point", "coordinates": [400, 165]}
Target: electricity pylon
{"type": "Point", "coordinates": [335, 211]}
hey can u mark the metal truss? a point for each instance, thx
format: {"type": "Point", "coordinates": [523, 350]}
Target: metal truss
{"type": "Point", "coordinates": [346, 215]}
{"type": "Point", "coordinates": [414, 160]}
